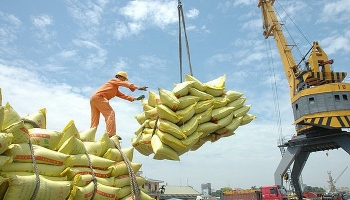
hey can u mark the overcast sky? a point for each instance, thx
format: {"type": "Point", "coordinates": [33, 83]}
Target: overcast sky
{"type": "Point", "coordinates": [55, 54]}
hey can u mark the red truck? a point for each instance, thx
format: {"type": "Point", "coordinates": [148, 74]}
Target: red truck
{"type": "Point", "coordinates": [274, 192]}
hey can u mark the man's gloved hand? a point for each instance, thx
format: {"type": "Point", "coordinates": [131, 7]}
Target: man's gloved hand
{"type": "Point", "coordinates": [140, 97]}
{"type": "Point", "coordinates": [144, 88]}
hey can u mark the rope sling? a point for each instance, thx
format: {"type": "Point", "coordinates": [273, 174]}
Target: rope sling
{"type": "Point", "coordinates": [182, 19]}
{"type": "Point", "coordinates": [135, 190]}
{"type": "Point", "coordinates": [35, 166]}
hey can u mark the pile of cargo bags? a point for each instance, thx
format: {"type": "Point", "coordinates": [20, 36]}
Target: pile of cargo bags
{"type": "Point", "coordinates": [39, 163]}
{"type": "Point", "coordinates": [191, 114]}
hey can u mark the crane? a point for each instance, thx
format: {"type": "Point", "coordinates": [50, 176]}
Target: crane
{"type": "Point", "coordinates": [332, 182]}
{"type": "Point", "coordinates": [319, 97]}
{"type": "Point", "coordinates": [320, 100]}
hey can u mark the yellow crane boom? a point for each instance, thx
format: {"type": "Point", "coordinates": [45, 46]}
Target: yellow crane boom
{"type": "Point", "coordinates": [319, 97]}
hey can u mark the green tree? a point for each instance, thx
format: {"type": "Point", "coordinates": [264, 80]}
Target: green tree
{"type": "Point", "coordinates": [253, 187]}
{"type": "Point", "coordinates": [308, 189]}
{"type": "Point", "coordinates": [218, 193]}
{"type": "Point", "coordinates": [318, 189]}
{"type": "Point", "coordinates": [225, 189]}
{"type": "Point", "coordinates": [314, 189]}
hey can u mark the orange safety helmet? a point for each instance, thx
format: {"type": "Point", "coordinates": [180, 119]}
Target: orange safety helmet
{"type": "Point", "coordinates": [123, 74]}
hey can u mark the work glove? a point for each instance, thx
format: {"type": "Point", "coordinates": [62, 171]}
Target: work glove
{"type": "Point", "coordinates": [144, 88]}
{"type": "Point", "coordinates": [140, 97]}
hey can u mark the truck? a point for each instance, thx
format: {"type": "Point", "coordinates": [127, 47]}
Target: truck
{"type": "Point", "coordinates": [273, 192]}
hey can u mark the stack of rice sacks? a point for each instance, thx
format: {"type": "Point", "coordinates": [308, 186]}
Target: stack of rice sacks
{"type": "Point", "coordinates": [65, 160]}
{"type": "Point", "coordinates": [193, 113]}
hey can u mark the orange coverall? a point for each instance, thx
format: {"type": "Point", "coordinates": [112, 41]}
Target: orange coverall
{"type": "Point", "coordinates": [99, 103]}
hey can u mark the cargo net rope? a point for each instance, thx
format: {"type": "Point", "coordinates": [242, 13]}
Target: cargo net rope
{"type": "Point", "coordinates": [40, 163]}
{"type": "Point", "coordinates": [176, 121]}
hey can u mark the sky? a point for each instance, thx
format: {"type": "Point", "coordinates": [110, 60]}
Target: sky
{"type": "Point", "coordinates": [55, 54]}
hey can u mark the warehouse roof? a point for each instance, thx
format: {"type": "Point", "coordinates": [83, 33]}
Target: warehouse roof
{"type": "Point", "coordinates": [180, 191]}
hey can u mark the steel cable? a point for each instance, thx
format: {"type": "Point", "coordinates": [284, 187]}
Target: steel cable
{"type": "Point", "coordinates": [182, 19]}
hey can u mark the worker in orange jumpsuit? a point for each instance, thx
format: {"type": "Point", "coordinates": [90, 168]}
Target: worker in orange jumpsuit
{"type": "Point", "coordinates": [99, 101]}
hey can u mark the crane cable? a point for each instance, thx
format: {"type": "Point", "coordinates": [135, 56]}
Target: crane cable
{"type": "Point", "coordinates": [274, 89]}
{"type": "Point", "coordinates": [182, 19]}
{"type": "Point", "coordinates": [285, 27]}
{"type": "Point", "coordinates": [271, 13]}
{"type": "Point", "coordinates": [293, 23]}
